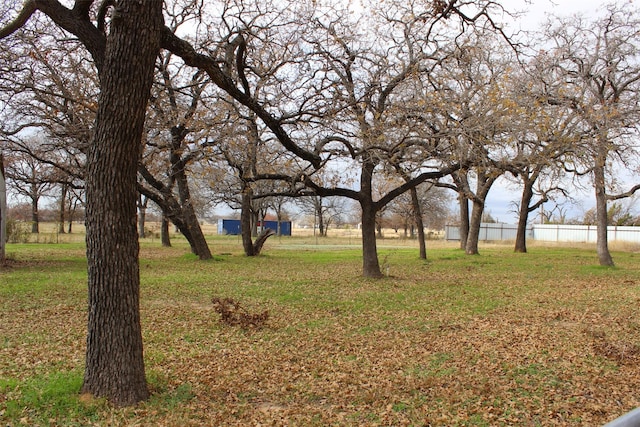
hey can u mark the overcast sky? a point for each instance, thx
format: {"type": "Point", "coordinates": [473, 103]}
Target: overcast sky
{"type": "Point", "coordinates": [538, 9]}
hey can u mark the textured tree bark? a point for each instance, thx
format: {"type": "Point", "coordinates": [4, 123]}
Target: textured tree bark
{"type": "Point", "coordinates": [196, 237]}
{"type": "Point", "coordinates": [602, 244]}
{"type": "Point", "coordinates": [370, 262]}
{"type": "Point", "coordinates": [245, 222]}
{"type": "Point", "coordinates": [197, 240]}
{"type": "Point", "coordinates": [114, 355]}
{"type": "Point", "coordinates": [474, 228]}
{"type": "Point", "coordinates": [3, 212]}
{"type": "Point", "coordinates": [35, 217]}
{"type": "Point", "coordinates": [61, 218]}
{"type": "Point", "coordinates": [523, 218]}
{"type": "Point", "coordinates": [417, 212]}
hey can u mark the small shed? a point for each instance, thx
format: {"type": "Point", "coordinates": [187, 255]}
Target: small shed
{"type": "Point", "coordinates": [229, 226]}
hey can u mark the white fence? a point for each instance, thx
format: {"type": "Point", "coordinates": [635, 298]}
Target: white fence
{"type": "Point", "coordinates": [550, 233]}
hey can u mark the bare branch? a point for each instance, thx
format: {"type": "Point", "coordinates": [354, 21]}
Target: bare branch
{"type": "Point", "coordinates": [27, 10]}
{"type": "Point", "coordinates": [192, 58]}
{"type": "Point", "coordinates": [102, 14]}
{"type": "Point", "coordinates": [624, 195]}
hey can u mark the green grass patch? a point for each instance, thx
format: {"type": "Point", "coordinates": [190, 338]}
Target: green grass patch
{"type": "Point", "coordinates": [52, 397]}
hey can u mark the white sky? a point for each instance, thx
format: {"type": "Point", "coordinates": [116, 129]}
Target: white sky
{"type": "Point", "coordinates": [538, 9]}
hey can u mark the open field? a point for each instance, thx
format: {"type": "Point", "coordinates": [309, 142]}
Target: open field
{"type": "Point", "coordinates": [501, 339]}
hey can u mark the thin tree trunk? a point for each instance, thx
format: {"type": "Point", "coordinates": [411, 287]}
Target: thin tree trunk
{"type": "Point", "coordinates": [260, 241]}
{"type": "Point", "coordinates": [35, 221]}
{"type": "Point", "coordinates": [114, 354]}
{"type": "Point", "coordinates": [61, 217]}
{"type": "Point", "coordinates": [255, 219]}
{"type": "Point", "coordinates": [184, 220]}
{"type": "Point", "coordinates": [321, 227]}
{"type": "Point", "coordinates": [142, 214]}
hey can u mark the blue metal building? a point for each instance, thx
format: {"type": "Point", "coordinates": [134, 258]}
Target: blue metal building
{"type": "Point", "coordinates": [232, 226]}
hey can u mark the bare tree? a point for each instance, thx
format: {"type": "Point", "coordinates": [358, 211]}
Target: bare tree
{"type": "Point", "coordinates": [325, 210]}
{"type": "Point", "coordinates": [544, 136]}
{"type": "Point", "coordinates": [49, 90]}
{"type": "Point", "coordinates": [599, 65]}
{"type": "Point", "coordinates": [30, 178]}
{"type": "Point", "coordinates": [473, 95]}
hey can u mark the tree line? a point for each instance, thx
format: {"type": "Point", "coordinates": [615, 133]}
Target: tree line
{"type": "Point", "coordinates": [131, 101]}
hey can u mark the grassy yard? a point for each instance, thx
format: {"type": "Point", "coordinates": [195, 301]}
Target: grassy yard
{"type": "Point", "coordinates": [546, 338]}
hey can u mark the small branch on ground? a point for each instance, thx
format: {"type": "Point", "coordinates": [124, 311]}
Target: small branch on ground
{"type": "Point", "coordinates": [234, 314]}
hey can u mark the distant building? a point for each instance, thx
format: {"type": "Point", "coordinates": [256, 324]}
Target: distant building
{"type": "Point", "coordinates": [232, 226]}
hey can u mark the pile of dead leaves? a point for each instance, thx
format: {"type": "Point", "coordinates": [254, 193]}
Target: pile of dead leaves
{"type": "Point", "coordinates": [234, 314]}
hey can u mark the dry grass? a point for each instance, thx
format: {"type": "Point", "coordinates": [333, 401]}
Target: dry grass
{"type": "Point", "coordinates": [538, 339]}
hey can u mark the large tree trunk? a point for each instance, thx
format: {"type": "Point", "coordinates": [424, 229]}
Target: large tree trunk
{"type": "Point", "coordinates": [164, 232]}
{"type": "Point", "coordinates": [246, 226]}
{"type": "Point", "coordinates": [417, 212]}
{"type": "Point", "coordinates": [483, 185]}
{"type": "Point", "coordinates": [474, 228]}
{"type": "Point", "coordinates": [602, 220]}
{"type": "Point", "coordinates": [3, 212]}
{"type": "Point", "coordinates": [114, 354]}
{"type": "Point", "coordinates": [523, 217]}
{"type": "Point", "coordinates": [182, 216]}
{"type": "Point", "coordinates": [370, 263]}
{"type": "Point", "coordinates": [197, 240]}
